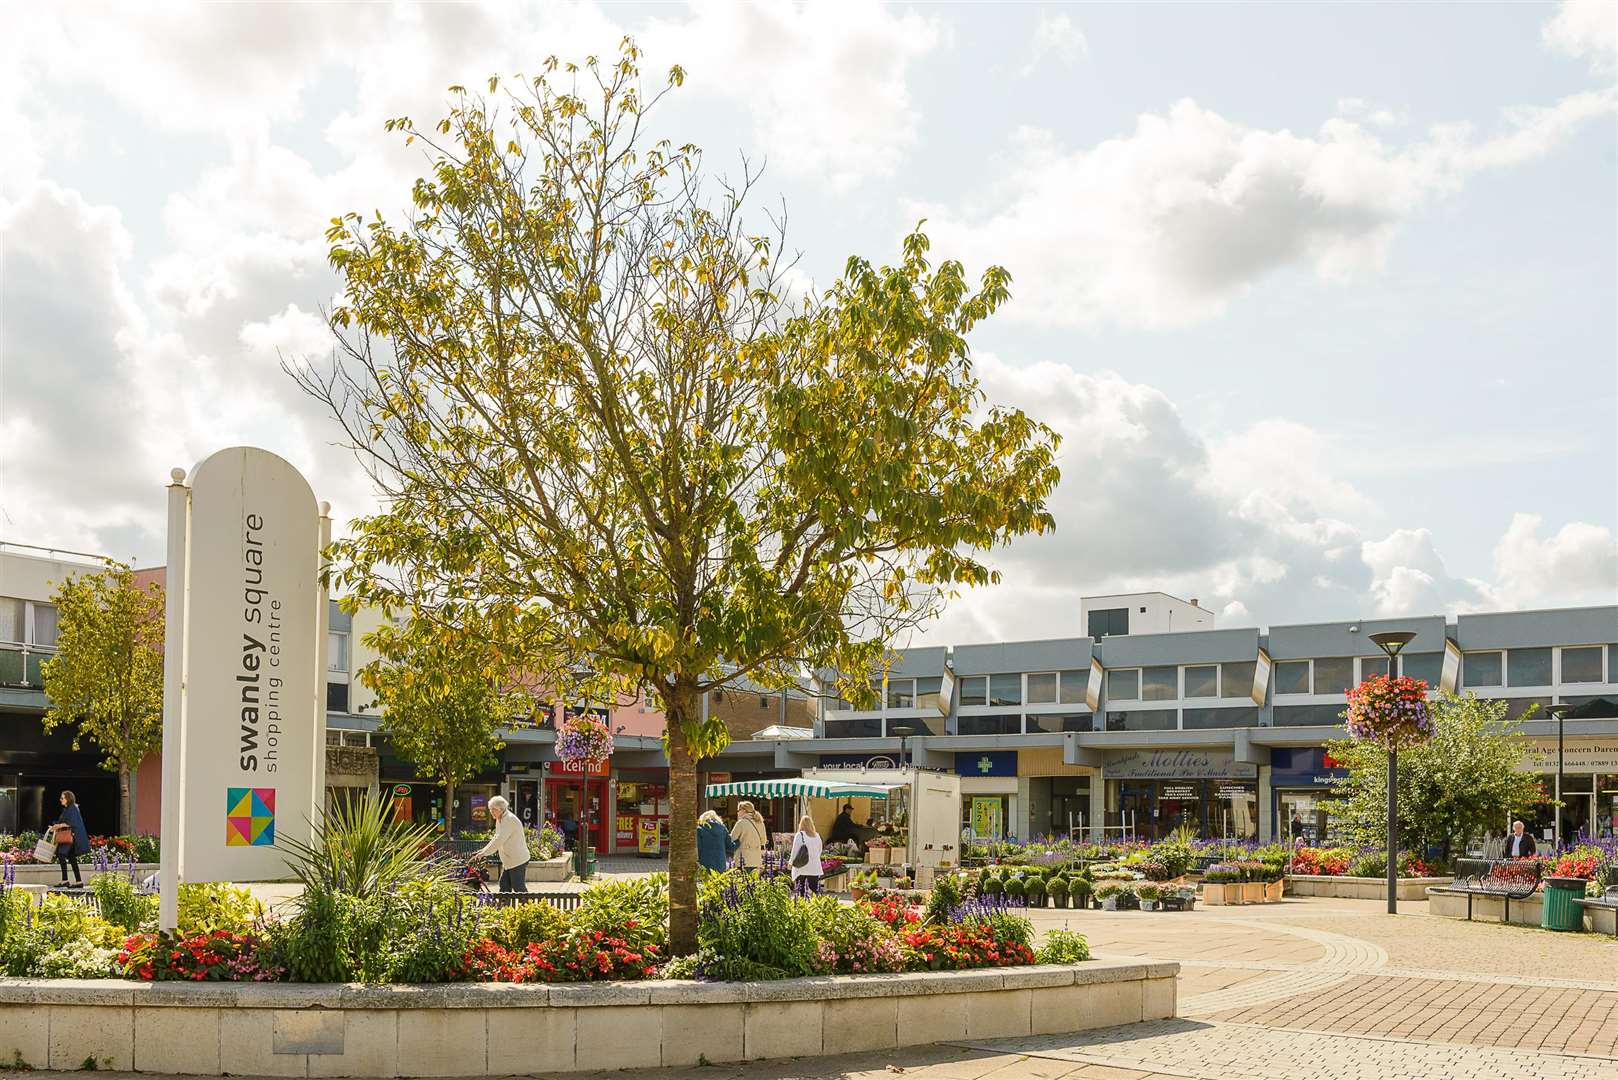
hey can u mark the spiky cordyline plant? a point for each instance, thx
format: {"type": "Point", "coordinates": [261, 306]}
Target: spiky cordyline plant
{"type": "Point", "coordinates": [360, 850]}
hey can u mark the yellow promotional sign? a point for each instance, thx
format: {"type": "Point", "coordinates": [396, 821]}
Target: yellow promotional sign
{"type": "Point", "coordinates": [987, 820]}
{"type": "Point", "coordinates": [650, 838]}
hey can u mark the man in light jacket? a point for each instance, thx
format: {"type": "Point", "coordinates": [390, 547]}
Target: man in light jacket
{"type": "Point", "coordinates": [510, 844]}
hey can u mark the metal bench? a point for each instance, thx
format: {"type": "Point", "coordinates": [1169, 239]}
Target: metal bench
{"type": "Point", "coordinates": [1508, 879]}
{"type": "Point", "coordinates": [561, 901]}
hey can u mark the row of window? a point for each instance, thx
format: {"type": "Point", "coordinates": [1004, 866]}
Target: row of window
{"type": "Point", "coordinates": [1567, 665]}
{"type": "Point", "coordinates": [1547, 666]}
{"type": "Point", "coordinates": [1336, 674]}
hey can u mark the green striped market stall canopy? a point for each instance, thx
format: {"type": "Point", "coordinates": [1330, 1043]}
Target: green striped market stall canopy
{"type": "Point", "coordinates": [793, 787]}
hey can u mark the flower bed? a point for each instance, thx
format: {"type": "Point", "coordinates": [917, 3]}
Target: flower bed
{"type": "Point", "coordinates": [18, 849]}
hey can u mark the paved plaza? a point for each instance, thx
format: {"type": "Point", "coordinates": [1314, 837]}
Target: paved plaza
{"type": "Point", "coordinates": [1304, 989]}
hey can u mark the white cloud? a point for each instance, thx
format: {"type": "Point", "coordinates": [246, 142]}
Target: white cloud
{"type": "Point", "coordinates": [1579, 559]}
{"type": "Point", "coordinates": [1168, 224]}
{"type": "Point", "coordinates": [1145, 503]}
{"type": "Point", "coordinates": [1056, 36]}
{"type": "Point", "coordinates": [824, 83]}
{"type": "Point", "coordinates": [1585, 28]}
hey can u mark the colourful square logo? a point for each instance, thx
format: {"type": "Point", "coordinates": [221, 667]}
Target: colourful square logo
{"type": "Point", "coordinates": [249, 817]}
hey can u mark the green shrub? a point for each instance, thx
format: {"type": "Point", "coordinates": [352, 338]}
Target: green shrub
{"type": "Point", "coordinates": [519, 925]}
{"type": "Point", "coordinates": [68, 920]}
{"type": "Point", "coordinates": [946, 896]}
{"type": "Point", "coordinates": [1058, 887]}
{"type": "Point", "coordinates": [1035, 892]}
{"type": "Point", "coordinates": [993, 886]}
{"type": "Point", "coordinates": [121, 905]}
{"type": "Point", "coordinates": [1016, 887]}
{"type": "Point", "coordinates": [430, 931]}
{"type": "Point", "coordinates": [208, 906]}
{"type": "Point", "coordinates": [1372, 864]}
{"type": "Point", "coordinates": [1063, 947]}
{"type": "Point", "coordinates": [1148, 892]}
{"type": "Point", "coordinates": [634, 909]}
{"type": "Point", "coordinates": [755, 929]}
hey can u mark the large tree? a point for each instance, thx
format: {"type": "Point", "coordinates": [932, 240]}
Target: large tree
{"type": "Point", "coordinates": [1460, 784]}
{"type": "Point", "coordinates": [445, 696]}
{"type": "Point", "coordinates": [597, 420]}
{"type": "Point", "coordinates": [107, 674]}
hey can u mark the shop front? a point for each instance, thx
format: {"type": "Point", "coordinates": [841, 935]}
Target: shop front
{"type": "Point", "coordinates": [1301, 779]}
{"type": "Point", "coordinates": [1150, 794]}
{"type": "Point", "coordinates": [1058, 793]}
{"type": "Point", "coordinates": [641, 818]}
{"type": "Point", "coordinates": [574, 796]}
{"type": "Point", "coordinates": [1588, 788]}
{"type": "Point", "coordinates": [989, 803]}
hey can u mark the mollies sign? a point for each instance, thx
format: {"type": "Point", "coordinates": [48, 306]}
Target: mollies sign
{"type": "Point", "coordinates": [251, 755]}
{"type": "Point", "coordinates": [1177, 765]}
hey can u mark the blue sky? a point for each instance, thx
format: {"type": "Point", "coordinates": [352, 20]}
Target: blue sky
{"type": "Point", "coordinates": [1321, 296]}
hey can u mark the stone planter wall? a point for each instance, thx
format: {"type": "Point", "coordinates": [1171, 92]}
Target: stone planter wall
{"type": "Point", "coordinates": [468, 1029]}
{"type": "Point", "coordinates": [50, 873]}
{"type": "Point", "coordinates": [556, 869]}
{"type": "Point", "coordinates": [1485, 907]}
{"type": "Point", "coordinates": [1359, 888]}
{"type": "Point", "coordinates": [1602, 918]}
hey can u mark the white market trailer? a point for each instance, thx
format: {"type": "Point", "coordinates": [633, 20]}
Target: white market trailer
{"type": "Point", "coordinates": [928, 802]}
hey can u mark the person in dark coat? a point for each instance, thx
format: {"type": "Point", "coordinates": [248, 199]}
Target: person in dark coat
{"type": "Point", "coordinates": [71, 838]}
{"type": "Point", "coordinates": [714, 845]}
{"type": "Point", "coordinates": [1519, 843]}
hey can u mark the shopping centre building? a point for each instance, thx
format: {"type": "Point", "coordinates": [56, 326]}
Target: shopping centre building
{"type": "Point", "coordinates": [1153, 719]}
{"type": "Point", "coordinates": [1129, 733]}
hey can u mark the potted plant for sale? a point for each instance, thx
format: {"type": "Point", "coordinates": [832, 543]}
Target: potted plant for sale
{"type": "Point", "coordinates": [1036, 891]}
{"type": "Point", "coordinates": [1059, 891]}
{"type": "Point", "coordinates": [1221, 884]}
{"type": "Point", "coordinates": [1017, 890]}
{"type": "Point", "coordinates": [1274, 882]}
{"type": "Point", "coordinates": [1109, 894]}
{"type": "Point", "coordinates": [1149, 896]}
{"type": "Point", "coordinates": [877, 851]}
{"type": "Point", "coordinates": [1252, 881]}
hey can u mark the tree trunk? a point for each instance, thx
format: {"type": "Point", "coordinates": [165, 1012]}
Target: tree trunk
{"type": "Point", "coordinates": [126, 823]}
{"type": "Point", "coordinates": [682, 830]}
{"type": "Point", "coordinates": [449, 809]}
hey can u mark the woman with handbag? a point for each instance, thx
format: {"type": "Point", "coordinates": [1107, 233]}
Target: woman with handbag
{"type": "Point", "coordinates": [751, 836]}
{"type": "Point", "coordinates": [805, 859]}
{"type": "Point", "coordinates": [71, 838]}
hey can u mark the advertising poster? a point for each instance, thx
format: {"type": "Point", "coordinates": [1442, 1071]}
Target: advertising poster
{"type": "Point", "coordinates": [650, 838]}
{"type": "Point", "coordinates": [987, 819]}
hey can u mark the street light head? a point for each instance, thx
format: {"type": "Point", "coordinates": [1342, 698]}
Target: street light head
{"type": "Point", "coordinates": [1393, 641]}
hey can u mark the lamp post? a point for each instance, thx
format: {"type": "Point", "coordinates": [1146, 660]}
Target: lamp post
{"type": "Point", "coordinates": [903, 730]}
{"type": "Point", "coordinates": [1560, 712]}
{"type": "Point", "coordinates": [1392, 643]}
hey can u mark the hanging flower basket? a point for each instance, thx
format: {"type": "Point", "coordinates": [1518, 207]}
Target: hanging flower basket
{"type": "Point", "coordinates": [583, 742]}
{"type": "Point", "coordinates": [1389, 712]}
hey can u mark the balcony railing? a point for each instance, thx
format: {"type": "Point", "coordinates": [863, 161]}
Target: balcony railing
{"type": "Point", "coordinates": [20, 664]}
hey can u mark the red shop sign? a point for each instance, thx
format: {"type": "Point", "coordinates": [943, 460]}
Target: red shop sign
{"type": "Point", "coordinates": [557, 768]}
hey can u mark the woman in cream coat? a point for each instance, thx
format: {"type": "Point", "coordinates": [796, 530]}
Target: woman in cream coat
{"type": "Point", "coordinates": [751, 836]}
{"type": "Point", "coordinates": [510, 844]}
